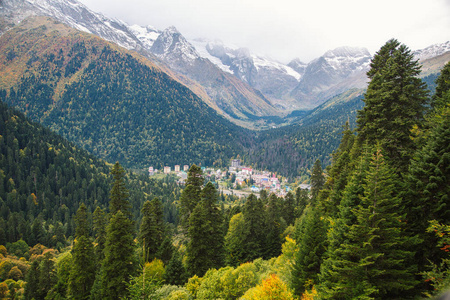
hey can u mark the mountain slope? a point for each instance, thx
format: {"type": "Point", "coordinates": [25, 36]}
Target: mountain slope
{"type": "Point", "coordinates": [108, 101]}
{"type": "Point", "coordinates": [233, 99]}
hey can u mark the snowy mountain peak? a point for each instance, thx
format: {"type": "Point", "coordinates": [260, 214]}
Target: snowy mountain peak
{"type": "Point", "coordinates": [347, 52]}
{"type": "Point", "coordinates": [147, 35]}
{"type": "Point", "coordinates": [432, 51]}
{"type": "Point", "coordinates": [172, 44]}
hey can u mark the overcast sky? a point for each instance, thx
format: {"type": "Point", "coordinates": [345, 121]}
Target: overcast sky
{"type": "Point", "coordinates": [286, 29]}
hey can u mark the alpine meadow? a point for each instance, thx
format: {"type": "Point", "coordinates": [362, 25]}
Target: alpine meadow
{"type": "Point", "coordinates": [138, 164]}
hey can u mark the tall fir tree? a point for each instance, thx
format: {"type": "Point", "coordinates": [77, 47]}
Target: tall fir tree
{"type": "Point", "coordinates": [32, 278]}
{"type": "Point", "coordinates": [274, 227]}
{"type": "Point", "coordinates": [118, 265]}
{"type": "Point", "coordinates": [99, 222]}
{"type": "Point", "coordinates": [373, 261]}
{"type": "Point", "coordinates": [82, 273]}
{"type": "Point", "coordinates": [47, 275]}
{"type": "Point", "coordinates": [395, 102]}
{"type": "Point", "coordinates": [205, 249]}
{"type": "Point", "coordinates": [312, 245]}
{"type": "Point", "coordinates": [254, 216]}
{"type": "Point", "coordinates": [317, 180]}
{"type": "Point", "coordinates": [441, 98]}
{"type": "Point", "coordinates": [190, 196]}
{"type": "Point", "coordinates": [151, 232]}
{"type": "Point", "coordinates": [119, 193]}
{"type": "Point", "coordinates": [428, 188]}
{"type": "Point", "coordinates": [175, 271]}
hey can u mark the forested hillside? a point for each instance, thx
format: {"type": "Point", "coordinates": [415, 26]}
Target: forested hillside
{"type": "Point", "coordinates": [109, 102]}
{"type": "Point", "coordinates": [292, 150]}
{"type": "Point", "coordinates": [44, 178]}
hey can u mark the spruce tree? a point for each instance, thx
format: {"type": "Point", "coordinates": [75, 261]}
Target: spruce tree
{"type": "Point", "coordinates": [47, 275]}
{"type": "Point", "coordinates": [151, 232]}
{"type": "Point", "coordinates": [99, 222]}
{"type": "Point", "coordinates": [119, 193]}
{"type": "Point", "coordinates": [312, 245]}
{"type": "Point", "coordinates": [428, 188]}
{"type": "Point", "coordinates": [205, 249]}
{"type": "Point", "coordinates": [395, 102]}
{"type": "Point", "coordinates": [190, 196]}
{"type": "Point", "coordinates": [289, 209]}
{"type": "Point", "coordinates": [317, 180]}
{"type": "Point", "coordinates": [175, 271]}
{"type": "Point", "coordinates": [274, 227]}
{"type": "Point", "coordinates": [32, 278]}
{"type": "Point", "coordinates": [118, 265]}
{"type": "Point", "coordinates": [254, 216]}
{"type": "Point", "coordinates": [82, 273]}
{"type": "Point", "coordinates": [441, 98]}
{"type": "Point", "coordinates": [373, 260]}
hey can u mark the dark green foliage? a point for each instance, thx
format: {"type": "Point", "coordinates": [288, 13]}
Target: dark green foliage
{"type": "Point", "coordinates": [205, 249]}
{"type": "Point", "coordinates": [99, 222]}
{"type": "Point", "coordinates": [372, 260]}
{"type": "Point", "coordinates": [302, 199]}
{"type": "Point", "coordinates": [440, 98]}
{"type": "Point", "coordinates": [394, 103]}
{"type": "Point", "coordinates": [195, 177]}
{"type": "Point", "coordinates": [151, 233]}
{"type": "Point", "coordinates": [312, 245]}
{"type": "Point", "coordinates": [47, 276]}
{"type": "Point", "coordinates": [254, 220]}
{"type": "Point", "coordinates": [166, 250]}
{"type": "Point", "coordinates": [44, 178]}
{"type": "Point", "coordinates": [118, 265]}
{"type": "Point", "coordinates": [82, 273]}
{"type": "Point", "coordinates": [289, 209]}
{"type": "Point", "coordinates": [32, 279]}
{"type": "Point", "coordinates": [428, 187]}
{"type": "Point", "coordinates": [175, 271]}
{"type": "Point", "coordinates": [317, 180]}
{"type": "Point", "coordinates": [190, 196]}
{"type": "Point", "coordinates": [119, 193]}
{"type": "Point", "coordinates": [292, 150]}
{"type": "Point", "coordinates": [273, 227]}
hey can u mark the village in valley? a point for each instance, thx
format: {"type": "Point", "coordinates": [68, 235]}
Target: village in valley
{"type": "Point", "coordinates": [237, 180]}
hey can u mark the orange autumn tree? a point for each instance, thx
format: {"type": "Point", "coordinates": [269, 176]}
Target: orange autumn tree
{"type": "Point", "coordinates": [272, 288]}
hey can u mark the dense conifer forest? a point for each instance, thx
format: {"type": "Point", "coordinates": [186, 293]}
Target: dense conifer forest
{"type": "Point", "coordinates": [373, 226]}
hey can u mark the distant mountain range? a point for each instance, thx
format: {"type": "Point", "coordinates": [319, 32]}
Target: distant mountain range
{"type": "Point", "coordinates": [249, 89]}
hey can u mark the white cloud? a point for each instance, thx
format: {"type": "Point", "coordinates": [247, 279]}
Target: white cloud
{"type": "Point", "coordinates": [285, 29]}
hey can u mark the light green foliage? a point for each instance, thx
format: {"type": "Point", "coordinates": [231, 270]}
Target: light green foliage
{"type": "Point", "coordinates": [235, 239]}
{"type": "Point", "coordinates": [284, 264]}
{"type": "Point", "coordinates": [171, 292]}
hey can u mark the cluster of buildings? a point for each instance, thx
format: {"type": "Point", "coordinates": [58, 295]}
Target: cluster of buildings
{"type": "Point", "coordinates": [235, 177]}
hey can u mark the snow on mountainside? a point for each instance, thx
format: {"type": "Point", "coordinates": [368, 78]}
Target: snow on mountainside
{"type": "Point", "coordinates": [172, 46]}
{"type": "Point", "coordinates": [336, 71]}
{"type": "Point", "coordinates": [432, 51]}
{"type": "Point", "coordinates": [265, 74]}
{"type": "Point", "coordinates": [74, 14]}
{"type": "Point", "coordinates": [147, 35]}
